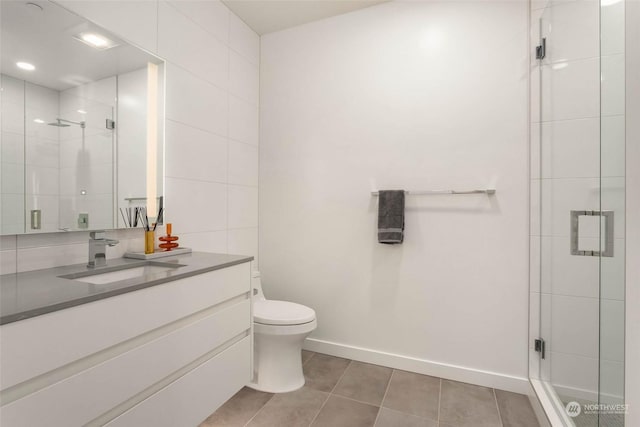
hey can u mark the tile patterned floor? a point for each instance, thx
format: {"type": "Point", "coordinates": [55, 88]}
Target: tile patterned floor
{"type": "Point", "coordinates": [345, 393]}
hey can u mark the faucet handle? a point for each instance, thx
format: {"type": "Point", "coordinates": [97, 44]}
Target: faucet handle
{"type": "Point", "coordinates": [112, 242]}
{"type": "Point", "coordinates": [97, 235]}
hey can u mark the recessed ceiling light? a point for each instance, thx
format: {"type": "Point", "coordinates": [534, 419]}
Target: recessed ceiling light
{"type": "Point", "coordinates": [38, 121]}
{"type": "Point", "coordinates": [82, 112]}
{"type": "Point", "coordinates": [26, 66]}
{"type": "Point", "coordinates": [95, 40]}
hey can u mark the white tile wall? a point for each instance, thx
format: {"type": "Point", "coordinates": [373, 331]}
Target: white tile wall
{"type": "Point", "coordinates": [212, 16]}
{"type": "Point", "coordinates": [243, 40]}
{"type": "Point", "coordinates": [572, 34]}
{"type": "Point", "coordinates": [204, 210]}
{"type": "Point", "coordinates": [209, 51]}
{"type": "Point", "coordinates": [570, 90]}
{"type": "Point", "coordinates": [562, 140]}
{"type": "Point", "coordinates": [243, 241]}
{"type": "Point", "coordinates": [612, 23]}
{"type": "Point", "coordinates": [243, 121]}
{"type": "Point", "coordinates": [243, 164]}
{"type": "Point", "coordinates": [211, 163]}
{"type": "Point", "coordinates": [181, 41]}
{"type": "Point", "coordinates": [195, 102]}
{"type": "Point", "coordinates": [244, 79]}
{"type": "Point", "coordinates": [612, 73]}
{"type": "Point", "coordinates": [243, 206]}
{"type": "Point", "coordinates": [575, 325]}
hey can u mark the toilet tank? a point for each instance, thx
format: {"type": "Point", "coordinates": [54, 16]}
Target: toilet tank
{"type": "Point", "coordinates": [256, 285]}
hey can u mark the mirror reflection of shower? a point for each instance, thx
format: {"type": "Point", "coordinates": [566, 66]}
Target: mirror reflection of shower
{"type": "Point", "coordinates": [64, 123]}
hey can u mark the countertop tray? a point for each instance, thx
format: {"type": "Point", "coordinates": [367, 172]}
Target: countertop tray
{"type": "Point", "coordinates": [161, 254]}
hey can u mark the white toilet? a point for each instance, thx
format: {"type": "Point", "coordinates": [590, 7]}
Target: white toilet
{"type": "Point", "coordinates": [279, 328]}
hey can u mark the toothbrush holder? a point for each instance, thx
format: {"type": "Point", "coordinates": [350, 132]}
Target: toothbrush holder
{"type": "Point", "coordinates": [149, 241]}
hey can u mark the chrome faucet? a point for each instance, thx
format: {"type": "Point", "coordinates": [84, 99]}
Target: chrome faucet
{"type": "Point", "coordinates": [98, 248]}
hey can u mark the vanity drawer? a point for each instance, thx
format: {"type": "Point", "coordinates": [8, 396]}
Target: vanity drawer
{"type": "Point", "coordinates": [193, 397]}
{"type": "Point", "coordinates": [88, 394]}
{"type": "Point", "coordinates": [40, 344]}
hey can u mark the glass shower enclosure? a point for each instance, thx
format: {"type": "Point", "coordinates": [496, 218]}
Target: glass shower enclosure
{"type": "Point", "coordinates": [578, 223]}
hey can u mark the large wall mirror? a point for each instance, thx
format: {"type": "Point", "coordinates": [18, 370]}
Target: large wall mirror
{"type": "Point", "coordinates": [82, 123]}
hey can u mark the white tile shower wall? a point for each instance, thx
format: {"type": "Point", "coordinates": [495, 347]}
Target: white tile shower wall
{"type": "Point", "coordinates": [86, 155]}
{"type": "Point", "coordinates": [383, 98]}
{"type": "Point", "coordinates": [12, 155]}
{"type": "Point", "coordinates": [208, 109]}
{"type": "Point", "coordinates": [42, 188]}
{"type": "Point", "coordinates": [566, 168]}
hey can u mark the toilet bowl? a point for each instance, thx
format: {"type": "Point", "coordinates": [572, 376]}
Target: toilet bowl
{"type": "Point", "coordinates": [279, 329]}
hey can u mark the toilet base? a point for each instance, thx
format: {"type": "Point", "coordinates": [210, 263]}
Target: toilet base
{"type": "Point", "coordinates": [277, 357]}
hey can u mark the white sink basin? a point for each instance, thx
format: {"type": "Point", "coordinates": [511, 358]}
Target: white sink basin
{"type": "Point", "coordinates": [118, 273]}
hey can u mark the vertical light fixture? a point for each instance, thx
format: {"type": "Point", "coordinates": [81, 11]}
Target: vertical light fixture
{"type": "Point", "coordinates": [152, 138]}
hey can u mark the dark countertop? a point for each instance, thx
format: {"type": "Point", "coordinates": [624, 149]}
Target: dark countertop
{"type": "Point", "coordinates": [33, 293]}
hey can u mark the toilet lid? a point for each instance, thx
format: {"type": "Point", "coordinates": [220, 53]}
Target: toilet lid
{"type": "Point", "coordinates": [269, 312]}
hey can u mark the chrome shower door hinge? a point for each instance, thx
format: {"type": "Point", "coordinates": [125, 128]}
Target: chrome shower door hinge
{"type": "Point", "coordinates": [540, 347]}
{"type": "Point", "coordinates": [110, 124]}
{"type": "Point", "coordinates": [541, 51]}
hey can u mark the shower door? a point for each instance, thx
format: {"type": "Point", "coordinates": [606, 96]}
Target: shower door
{"type": "Point", "coordinates": [579, 133]}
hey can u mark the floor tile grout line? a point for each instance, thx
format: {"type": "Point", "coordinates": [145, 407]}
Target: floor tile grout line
{"type": "Point", "coordinates": [495, 397]}
{"type": "Point", "coordinates": [330, 392]}
{"type": "Point", "coordinates": [260, 410]}
{"type": "Point", "coordinates": [439, 400]}
{"type": "Point", "coordinates": [320, 410]}
{"type": "Point", "coordinates": [356, 400]}
{"type": "Point", "coordinates": [420, 417]}
{"type": "Point", "coordinates": [341, 376]}
{"type": "Point", "coordinates": [386, 390]}
{"type": "Point", "coordinates": [310, 357]}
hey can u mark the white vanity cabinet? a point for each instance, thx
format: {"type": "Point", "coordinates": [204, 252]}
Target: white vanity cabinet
{"type": "Point", "coordinates": [167, 355]}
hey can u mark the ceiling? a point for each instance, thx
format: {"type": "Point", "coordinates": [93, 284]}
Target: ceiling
{"type": "Point", "coordinates": [267, 16]}
{"type": "Point", "coordinates": [43, 36]}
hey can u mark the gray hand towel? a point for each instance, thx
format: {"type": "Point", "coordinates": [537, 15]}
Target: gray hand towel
{"type": "Point", "coordinates": [391, 216]}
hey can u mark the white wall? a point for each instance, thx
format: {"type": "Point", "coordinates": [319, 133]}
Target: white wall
{"type": "Point", "coordinates": [632, 367]}
{"type": "Point", "coordinates": [211, 129]}
{"type": "Point", "coordinates": [415, 95]}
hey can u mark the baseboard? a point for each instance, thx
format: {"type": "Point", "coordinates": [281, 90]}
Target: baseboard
{"type": "Point", "coordinates": [422, 366]}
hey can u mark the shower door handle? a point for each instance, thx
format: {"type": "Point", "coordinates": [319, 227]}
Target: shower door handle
{"type": "Point", "coordinates": [608, 233]}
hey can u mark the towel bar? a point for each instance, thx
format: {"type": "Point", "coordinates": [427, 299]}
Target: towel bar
{"type": "Point", "coordinates": [488, 191]}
